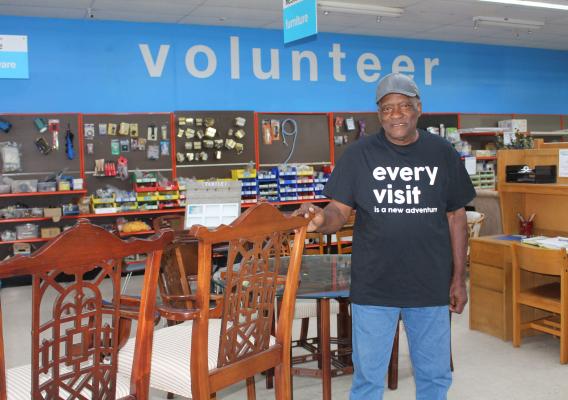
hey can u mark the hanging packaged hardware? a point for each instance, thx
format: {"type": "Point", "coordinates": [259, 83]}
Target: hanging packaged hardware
{"type": "Point", "coordinates": [164, 130]}
{"type": "Point", "coordinates": [152, 133]}
{"type": "Point", "coordinates": [200, 134]}
{"type": "Point", "coordinates": [266, 132]}
{"type": "Point", "coordinates": [209, 122]}
{"type": "Point", "coordinates": [230, 132]}
{"type": "Point", "coordinates": [199, 121]}
{"type": "Point", "coordinates": [133, 130]}
{"type": "Point", "coordinates": [54, 130]}
{"type": "Point", "coordinates": [122, 168]}
{"type": "Point", "coordinates": [350, 124]}
{"type": "Point", "coordinates": [239, 148]}
{"type": "Point", "coordinates": [42, 146]}
{"type": "Point", "coordinates": [362, 128]}
{"type": "Point", "coordinates": [196, 155]}
{"type": "Point", "coordinates": [124, 129]}
{"type": "Point", "coordinates": [218, 154]}
{"type": "Point", "coordinates": [208, 144]}
{"type": "Point", "coordinates": [69, 146]}
{"type": "Point", "coordinates": [210, 132]}
{"type": "Point", "coordinates": [196, 145]}
{"type": "Point", "coordinates": [240, 133]}
{"type": "Point", "coordinates": [189, 121]}
{"type": "Point", "coordinates": [189, 156]}
{"type": "Point", "coordinates": [180, 132]}
{"type": "Point", "coordinates": [204, 156]}
{"type": "Point", "coordinates": [188, 145]}
{"type": "Point", "coordinates": [230, 144]}
{"type": "Point", "coordinates": [99, 167]}
{"type": "Point", "coordinates": [180, 157]}
{"type": "Point", "coordinates": [338, 124]}
{"type": "Point", "coordinates": [240, 122]}
{"type": "Point", "coordinates": [275, 126]}
{"type": "Point", "coordinates": [218, 143]}
{"type": "Point", "coordinates": [189, 133]}
{"type": "Point", "coordinates": [181, 121]}
{"type": "Point", "coordinates": [112, 129]}
{"type": "Point", "coordinates": [5, 126]}
{"type": "Point", "coordinates": [40, 124]}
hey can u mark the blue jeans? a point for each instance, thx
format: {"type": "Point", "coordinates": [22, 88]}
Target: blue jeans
{"type": "Point", "coordinates": [428, 333]}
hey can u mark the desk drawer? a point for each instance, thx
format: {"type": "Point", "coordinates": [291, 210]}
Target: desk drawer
{"type": "Point", "coordinates": [487, 276]}
{"type": "Point", "coordinates": [487, 253]}
{"type": "Point", "coordinates": [486, 312]}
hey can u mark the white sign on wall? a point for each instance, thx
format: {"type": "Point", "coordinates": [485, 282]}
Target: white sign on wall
{"type": "Point", "coordinates": [14, 57]}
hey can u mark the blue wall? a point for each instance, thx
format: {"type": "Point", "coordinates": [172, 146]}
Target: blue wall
{"type": "Point", "coordinates": [97, 66]}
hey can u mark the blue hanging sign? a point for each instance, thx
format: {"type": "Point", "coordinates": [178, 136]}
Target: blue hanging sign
{"type": "Point", "coordinates": [299, 19]}
{"type": "Point", "coordinates": [14, 57]}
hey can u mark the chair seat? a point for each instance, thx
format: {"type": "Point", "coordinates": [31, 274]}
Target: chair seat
{"type": "Point", "coordinates": [18, 381]}
{"type": "Point", "coordinates": [170, 356]}
{"type": "Point", "coordinates": [546, 297]}
{"type": "Point", "coordinates": [309, 309]}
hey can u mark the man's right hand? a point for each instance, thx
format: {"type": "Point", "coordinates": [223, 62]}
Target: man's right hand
{"type": "Point", "coordinates": [308, 210]}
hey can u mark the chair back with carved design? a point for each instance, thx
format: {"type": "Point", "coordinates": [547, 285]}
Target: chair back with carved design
{"type": "Point", "coordinates": [253, 278]}
{"type": "Point", "coordinates": [179, 263]}
{"type": "Point", "coordinates": [75, 345]}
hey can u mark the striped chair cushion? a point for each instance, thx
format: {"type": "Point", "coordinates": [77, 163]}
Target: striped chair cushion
{"type": "Point", "coordinates": [19, 384]}
{"type": "Point", "coordinates": [308, 309]}
{"type": "Point", "coordinates": [170, 356]}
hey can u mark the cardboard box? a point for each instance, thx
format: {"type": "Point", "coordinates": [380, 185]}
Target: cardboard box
{"type": "Point", "coordinates": [53, 213]}
{"type": "Point", "coordinates": [47, 233]}
{"type": "Point", "coordinates": [514, 125]}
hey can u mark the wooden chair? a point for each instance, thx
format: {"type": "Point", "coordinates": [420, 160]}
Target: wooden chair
{"type": "Point", "coordinates": [179, 264]}
{"type": "Point", "coordinates": [344, 236]}
{"type": "Point", "coordinates": [75, 347]}
{"type": "Point", "coordinates": [540, 281]}
{"type": "Point", "coordinates": [231, 342]}
{"type": "Point", "coordinates": [474, 223]}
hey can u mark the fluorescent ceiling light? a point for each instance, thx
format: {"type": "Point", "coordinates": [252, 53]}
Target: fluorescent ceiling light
{"type": "Point", "coordinates": [507, 23]}
{"type": "Point", "coordinates": [539, 4]}
{"type": "Point", "coordinates": [364, 9]}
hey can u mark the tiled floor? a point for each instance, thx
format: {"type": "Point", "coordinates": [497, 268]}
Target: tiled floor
{"type": "Point", "coordinates": [486, 368]}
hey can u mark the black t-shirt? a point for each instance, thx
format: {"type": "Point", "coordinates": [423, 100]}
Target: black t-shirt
{"type": "Point", "coordinates": [402, 253]}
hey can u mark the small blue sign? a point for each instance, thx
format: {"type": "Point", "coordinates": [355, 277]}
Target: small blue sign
{"type": "Point", "coordinates": [299, 19]}
{"type": "Point", "coordinates": [14, 57]}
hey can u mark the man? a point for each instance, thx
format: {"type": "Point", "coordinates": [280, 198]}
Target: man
{"type": "Point", "coordinates": [409, 188]}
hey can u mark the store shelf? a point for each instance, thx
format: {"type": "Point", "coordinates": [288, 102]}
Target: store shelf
{"type": "Point", "coordinates": [535, 188]}
{"type": "Point", "coordinates": [57, 193]}
{"type": "Point", "coordinates": [486, 158]}
{"type": "Point", "coordinates": [285, 203]}
{"type": "Point", "coordinates": [127, 213]}
{"type": "Point", "coordinates": [480, 134]}
{"type": "Point", "coordinates": [127, 234]}
{"type": "Point", "coordinates": [36, 240]}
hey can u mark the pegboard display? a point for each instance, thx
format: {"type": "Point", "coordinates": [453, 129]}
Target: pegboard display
{"type": "Point", "coordinates": [348, 127]}
{"type": "Point", "coordinates": [298, 138]}
{"type": "Point", "coordinates": [42, 143]}
{"type": "Point", "coordinates": [144, 140]}
{"type": "Point", "coordinates": [211, 143]}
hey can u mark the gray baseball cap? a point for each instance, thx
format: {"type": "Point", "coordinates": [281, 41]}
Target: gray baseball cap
{"type": "Point", "coordinates": [397, 83]}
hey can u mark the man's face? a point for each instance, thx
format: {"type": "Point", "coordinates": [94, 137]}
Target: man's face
{"type": "Point", "coordinates": [399, 115]}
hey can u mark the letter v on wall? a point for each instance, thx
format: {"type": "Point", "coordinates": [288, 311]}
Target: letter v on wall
{"type": "Point", "coordinates": [154, 68]}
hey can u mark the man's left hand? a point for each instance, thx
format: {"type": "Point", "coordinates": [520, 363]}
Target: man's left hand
{"type": "Point", "coordinates": [458, 297]}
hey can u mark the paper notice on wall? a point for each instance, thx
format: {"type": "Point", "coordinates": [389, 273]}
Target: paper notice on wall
{"type": "Point", "coordinates": [563, 163]}
{"type": "Point", "coordinates": [14, 57]}
{"type": "Point", "coordinates": [470, 165]}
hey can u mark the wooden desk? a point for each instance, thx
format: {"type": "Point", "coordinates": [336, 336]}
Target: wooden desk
{"type": "Point", "coordinates": [491, 287]}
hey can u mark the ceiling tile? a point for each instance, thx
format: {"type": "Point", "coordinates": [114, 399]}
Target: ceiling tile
{"type": "Point", "coordinates": [48, 12]}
